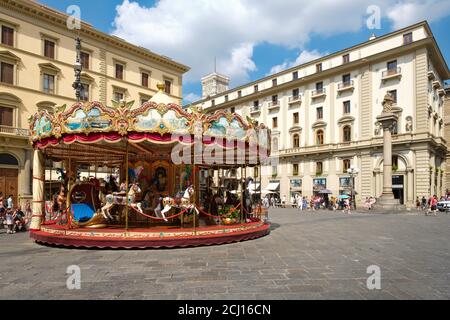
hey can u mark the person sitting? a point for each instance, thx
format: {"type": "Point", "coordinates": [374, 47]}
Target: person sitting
{"type": "Point", "coordinates": [18, 218]}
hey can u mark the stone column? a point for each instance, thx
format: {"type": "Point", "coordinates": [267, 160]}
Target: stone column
{"type": "Point", "coordinates": [27, 174]}
{"type": "Point", "coordinates": [411, 199]}
{"type": "Point", "coordinates": [38, 191]}
{"type": "Point", "coordinates": [387, 119]}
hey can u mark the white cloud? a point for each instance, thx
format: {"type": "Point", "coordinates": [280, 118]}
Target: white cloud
{"type": "Point", "coordinates": [191, 97]}
{"type": "Point", "coordinates": [405, 13]}
{"type": "Point", "coordinates": [193, 32]}
{"type": "Point", "coordinates": [304, 56]}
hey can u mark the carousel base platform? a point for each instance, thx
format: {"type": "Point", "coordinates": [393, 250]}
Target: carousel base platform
{"type": "Point", "coordinates": [157, 237]}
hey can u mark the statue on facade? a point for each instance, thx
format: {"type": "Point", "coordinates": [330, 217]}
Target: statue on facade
{"type": "Point", "coordinates": [377, 130]}
{"type": "Point", "coordinates": [409, 125]}
{"type": "Point", "coordinates": [388, 102]}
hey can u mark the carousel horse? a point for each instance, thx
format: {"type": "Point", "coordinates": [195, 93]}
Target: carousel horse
{"type": "Point", "coordinates": [186, 202]}
{"type": "Point", "coordinates": [159, 208]}
{"type": "Point", "coordinates": [123, 200]}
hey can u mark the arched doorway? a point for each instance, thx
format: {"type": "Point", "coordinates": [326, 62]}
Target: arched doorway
{"type": "Point", "coordinates": [9, 172]}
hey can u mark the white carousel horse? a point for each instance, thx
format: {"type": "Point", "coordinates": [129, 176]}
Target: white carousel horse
{"type": "Point", "coordinates": [186, 201]}
{"type": "Point", "coordinates": [158, 211]}
{"type": "Point", "coordinates": [115, 199]}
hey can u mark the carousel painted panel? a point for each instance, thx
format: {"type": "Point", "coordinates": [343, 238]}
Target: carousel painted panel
{"type": "Point", "coordinates": [88, 118]}
{"type": "Point", "coordinates": [41, 125]}
{"type": "Point", "coordinates": [170, 121]}
{"type": "Point", "coordinates": [224, 126]}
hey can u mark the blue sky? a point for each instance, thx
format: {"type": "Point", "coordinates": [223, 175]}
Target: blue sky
{"type": "Point", "coordinates": [251, 39]}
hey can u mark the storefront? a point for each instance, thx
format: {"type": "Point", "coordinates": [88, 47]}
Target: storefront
{"type": "Point", "coordinates": [345, 185]}
{"type": "Point", "coordinates": [295, 188]}
{"type": "Point", "coordinates": [319, 185]}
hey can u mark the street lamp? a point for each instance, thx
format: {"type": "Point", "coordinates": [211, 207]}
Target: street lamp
{"type": "Point", "coordinates": [353, 172]}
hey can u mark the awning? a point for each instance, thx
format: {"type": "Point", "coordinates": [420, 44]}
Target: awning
{"type": "Point", "coordinates": [273, 186]}
{"type": "Point", "coordinates": [253, 187]}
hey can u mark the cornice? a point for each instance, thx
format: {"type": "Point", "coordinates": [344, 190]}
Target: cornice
{"type": "Point", "coordinates": [54, 17]}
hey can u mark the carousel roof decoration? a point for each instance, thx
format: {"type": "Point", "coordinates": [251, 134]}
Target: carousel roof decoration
{"type": "Point", "coordinates": [155, 121]}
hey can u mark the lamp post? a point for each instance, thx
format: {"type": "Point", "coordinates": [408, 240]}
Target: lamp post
{"type": "Point", "coordinates": [77, 85]}
{"type": "Point", "coordinates": [353, 172]}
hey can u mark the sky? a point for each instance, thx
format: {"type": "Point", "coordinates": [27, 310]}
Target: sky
{"type": "Point", "coordinates": [251, 39]}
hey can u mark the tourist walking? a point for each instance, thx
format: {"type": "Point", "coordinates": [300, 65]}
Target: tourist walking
{"type": "Point", "coordinates": [433, 205]}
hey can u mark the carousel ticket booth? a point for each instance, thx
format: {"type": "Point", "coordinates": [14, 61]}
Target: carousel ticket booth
{"type": "Point", "coordinates": [159, 193]}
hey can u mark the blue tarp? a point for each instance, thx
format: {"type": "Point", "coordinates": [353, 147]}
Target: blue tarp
{"type": "Point", "coordinates": [82, 211]}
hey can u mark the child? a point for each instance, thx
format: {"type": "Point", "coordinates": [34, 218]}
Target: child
{"type": "Point", "coordinates": [9, 222]}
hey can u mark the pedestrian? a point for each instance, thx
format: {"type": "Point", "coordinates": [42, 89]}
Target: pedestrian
{"type": "Point", "coordinates": [9, 222]}
{"type": "Point", "coordinates": [284, 201]}
{"type": "Point", "coordinates": [424, 203]}
{"type": "Point", "coordinates": [10, 202]}
{"type": "Point", "coordinates": [433, 205]}
{"type": "Point", "coordinates": [418, 204]}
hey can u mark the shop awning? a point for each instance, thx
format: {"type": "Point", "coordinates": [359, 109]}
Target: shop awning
{"type": "Point", "coordinates": [253, 186]}
{"type": "Point", "coordinates": [272, 188]}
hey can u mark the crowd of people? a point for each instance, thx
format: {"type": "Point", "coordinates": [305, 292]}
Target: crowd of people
{"type": "Point", "coordinates": [12, 217]}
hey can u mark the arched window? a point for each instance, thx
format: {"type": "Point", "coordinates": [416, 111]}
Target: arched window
{"type": "Point", "coordinates": [347, 134]}
{"type": "Point", "coordinates": [296, 141]}
{"type": "Point", "coordinates": [319, 137]}
{"type": "Point", "coordinates": [8, 159]}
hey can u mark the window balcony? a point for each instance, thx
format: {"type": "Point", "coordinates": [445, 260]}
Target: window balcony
{"type": "Point", "coordinates": [14, 131]}
{"type": "Point", "coordinates": [344, 86]}
{"type": "Point", "coordinates": [392, 74]}
{"type": "Point", "coordinates": [441, 92]}
{"type": "Point", "coordinates": [318, 93]}
{"type": "Point", "coordinates": [274, 105]}
{"type": "Point", "coordinates": [294, 100]}
{"type": "Point", "coordinates": [255, 110]}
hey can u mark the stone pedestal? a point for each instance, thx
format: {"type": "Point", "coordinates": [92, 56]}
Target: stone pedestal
{"type": "Point", "coordinates": [387, 202]}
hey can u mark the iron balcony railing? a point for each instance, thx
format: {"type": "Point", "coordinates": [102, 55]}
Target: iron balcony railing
{"type": "Point", "coordinates": [294, 99]}
{"type": "Point", "coordinates": [392, 72]}
{"type": "Point", "coordinates": [318, 92]}
{"type": "Point", "coordinates": [345, 85]}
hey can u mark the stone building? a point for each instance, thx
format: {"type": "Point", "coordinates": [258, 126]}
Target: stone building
{"type": "Point", "coordinates": [323, 118]}
{"type": "Point", "coordinates": [37, 54]}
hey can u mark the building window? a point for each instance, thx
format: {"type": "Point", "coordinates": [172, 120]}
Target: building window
{"type": "Point", "coordinates": [144, 79]}
{"type": "Point", "coordinates": [393, 93]}
{"type": "Point", "coordinates": [119, 71]}
{"type": "Point", "coordinates": [347, 107]}
{"type": "Point", "coordinates": [84, 93]}
{"type": "Point", "coordinates": [232, 109]}
{"type": "Point", "coordinates": [275, 100]}
{"type": "Point", "coordinates": [275, 122]}
{"type": "Point", "coordinates": [347, 134]}
{"type": "Point", "coordinates": [226, 98]}
{"type": "Point", "coordinates": [295, 94]}
{"type": "Point", "coordinates": [319, 67]}
{"type": "Point", "coordinates": [239, 94]}
{"type": "Point", "coordinates": [6, 116]}
{"type": "Point", "coordinates": [7, 73]}
{"type": "Point", "coordinates": [395, 163]}
{"type": "Point", "coordinates": [319, 112]}
{"type": "Point", "coordinates": [296, 141]}
{"type": "Point", "coordinates": [295, 169]}
{"type": "Point", "coordinates": [346, 165]}
{"type": "Point", "coordinates": [84, 57]}
{"type": "Point", "coordinates": [274, 82]}
{"type": "Point", "coordinates": [274, 171]}
{"type": "Point", "coordinates": [295, 75]}
{"type": "Point", "coordinates": [255, 88]}
{"type": "Point", "coordinates": [213, 102]}
{"type": "Point", "coordinates": [49, 83]}
{"type": "Point", "coordinates": [296, 118]}
{"type": "Point", "coordinates": [256, 172]}
{"type": "Point", "coordinates": [345, 58]}
{"type": "Point", "coordinates": [144, 100]}
{"type": "Point", "coordinates": [256, 104]}
{"type": "Point", "coordinates": [49, 49]}
{"type": "Point", "coordinates": [346, 79]}
{"type": "Point", "coordinates": [407, 38]}
{"type": "Point", "coordinates": [7, 36]}
{"type": "Point", "coordinates": [168, 86]}
{"type": "Point", "coordinates": [319, 168]}
{"type": "Point", "coordinates": [118, 96]}
{"type": "Point", "coordinates": [392, 66]}
{"type": "Point", "coordinates": [319, 137]}
{"type": "Point", "coordinates": [319, 87]}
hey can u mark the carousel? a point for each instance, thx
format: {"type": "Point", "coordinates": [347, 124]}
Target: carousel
{"type": "Point", "coordinates": [145, 176]}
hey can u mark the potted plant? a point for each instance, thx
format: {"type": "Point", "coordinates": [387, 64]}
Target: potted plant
{"type": "Point", "coordinates": [229, 215]}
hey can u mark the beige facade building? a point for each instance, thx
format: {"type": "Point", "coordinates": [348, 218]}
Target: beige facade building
{"type": "Point", "coordinates": [323, 118]}
{"type": "Point", "coordinates": [37, 54]}
{"type": "Point", "coordinates": [447, 135]}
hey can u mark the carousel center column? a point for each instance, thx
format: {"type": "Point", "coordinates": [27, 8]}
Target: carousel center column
{"type": "Point", "coordinates": [38, 191]}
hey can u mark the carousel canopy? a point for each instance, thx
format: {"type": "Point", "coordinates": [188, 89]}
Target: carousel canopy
{"type": "Point", "coordinates": [95, 133]}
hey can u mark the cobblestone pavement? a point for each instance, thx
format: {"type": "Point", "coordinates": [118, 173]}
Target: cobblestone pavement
{"type": "Point", "coordinates": [321, 255]}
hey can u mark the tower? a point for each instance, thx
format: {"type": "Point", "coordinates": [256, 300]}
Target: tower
{"type": "Point", "coordinates": [213, 84]}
